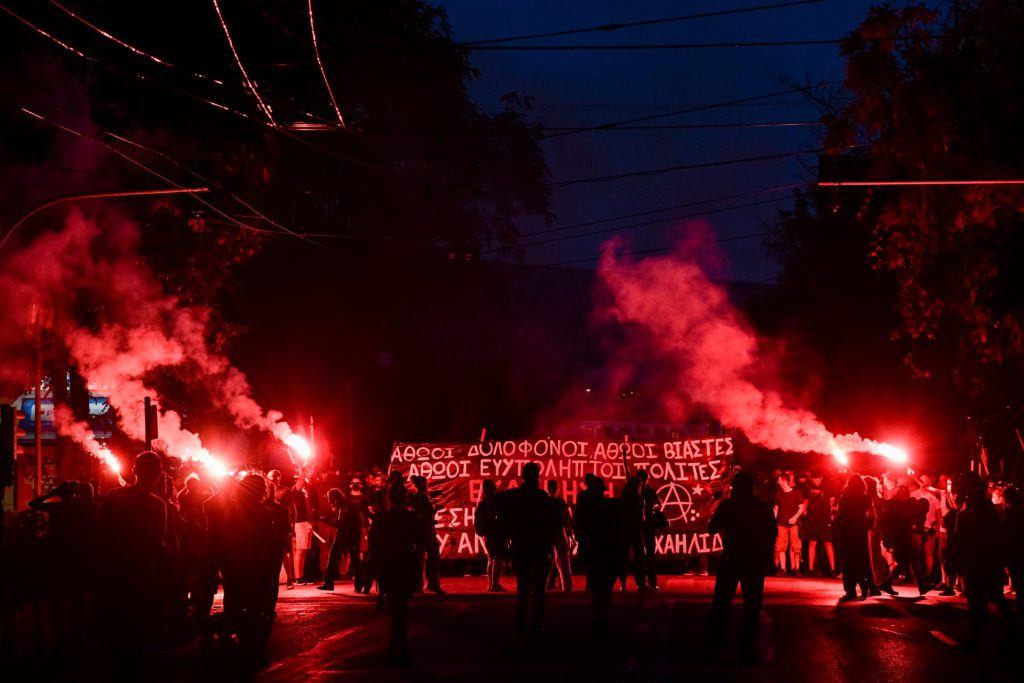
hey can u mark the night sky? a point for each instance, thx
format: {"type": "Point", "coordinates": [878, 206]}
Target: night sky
{"type": "Point", "coordinates": [588, 88]}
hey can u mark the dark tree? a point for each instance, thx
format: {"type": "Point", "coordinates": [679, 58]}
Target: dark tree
{"type": "Point", "coordinates": [935, 99]}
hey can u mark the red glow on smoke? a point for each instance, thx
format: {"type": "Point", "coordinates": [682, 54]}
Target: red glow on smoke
{"type": "Point", "coordinates": [133, 331]}
{"type": "Point", "coordinates": [719, 361]}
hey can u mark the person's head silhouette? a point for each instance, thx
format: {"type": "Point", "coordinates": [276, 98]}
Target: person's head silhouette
{"type": "Point", "coordinates": [743, 485]}
{"type": "Point", "coordinates": [397, 495]}
{"type": "Point", "coordinates": [531, 475]}
{"type": "Point", "coordinates": [147, 469]}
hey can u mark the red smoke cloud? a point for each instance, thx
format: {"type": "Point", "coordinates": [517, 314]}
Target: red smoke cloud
{"type": "Point", "coordinates": [719, 360]}
{"type": "Point", "coordinates": [118, 327]}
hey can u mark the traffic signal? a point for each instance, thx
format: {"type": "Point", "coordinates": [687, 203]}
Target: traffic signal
{"type": "Point", "coordinates": [9, 448]}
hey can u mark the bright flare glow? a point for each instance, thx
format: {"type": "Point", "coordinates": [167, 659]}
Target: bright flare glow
{"type": "Point", "coordinates": [841, 457]}
{"type": "Point", "coordinates": [300, 446]}
{"type": "Point", "coordinates": [891, 452]}
{"type": "Point", "coordinates": [214, 466]}
{"type": "Point", "coordinates": [109, 459]}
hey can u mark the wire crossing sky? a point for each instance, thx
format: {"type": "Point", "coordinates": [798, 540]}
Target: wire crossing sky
{"type": "Point", "coordinates": [685, 119]}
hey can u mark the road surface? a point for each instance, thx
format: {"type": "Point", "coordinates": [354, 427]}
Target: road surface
{"type": "Point", "coordinates": [468, 635]}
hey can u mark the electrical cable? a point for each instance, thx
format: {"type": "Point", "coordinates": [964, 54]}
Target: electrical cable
{"type": "Point", "coordinates": [238, 60]}
{"type": "Point", "coordinates": [316, 51]}
{"type": "Point", "coordinates": [646, 22]}
{"type": "Point", "coordinates": [659, 250]}
{"type": "Point", "coordinates": [605, 231]}
{"type": "Point", "coordinates": [690, 110]}
{"type": "Point", "coordinates": [681, 167]}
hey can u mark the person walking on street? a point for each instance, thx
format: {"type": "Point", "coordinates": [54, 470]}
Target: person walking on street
{"type": "Point", "coordinates": [601, 532]}
{"type": "Point", "coordinates": [487, 524]}
{"type": "Point", "coordinates": [851, 525]}
{"type": "Point", "coordinates": [345, 520]}
{"type": "Point", "coordinates": [396, 536]}
{"type": "Point", "coordinates": [561, 541]}
{"type": "Point", "coordinates": [430, 548]}
{"type": "Point", "coordinates": [748, 529]}
{"type": "Point", "coordinates": [526, 510]}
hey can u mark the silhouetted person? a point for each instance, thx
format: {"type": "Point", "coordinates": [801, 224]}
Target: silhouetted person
{"type": "Point", "coordinates": [487, 524]}
{"type": "Point", "coordinates": [562, 521]}
{"type": "Point", "coordinates": [131, 524]}
{"type": "Point", "coordinates": [980, 554]}
{"type": "Point", "coordinates": [851, 526]}
{"type": "Point", "coordinates": [1015, 544]}
{"type": "Point", "coordinates": [345, 520]}
{"type": "Point", "coordinates": [632, 505]}
{"type": "Point", "coordinates": [527, 514]}
{"type": "Point", "coordinates": [748, 529]}
{"type": "Point", "coordinates": [250, 562]}
{"type": "Point", "coordinates": [190, 499]}
{"type": "Point", "coordinates": [650, 504]}
{"type": "Point", "coordinates": [284, 533]}
{"type": "Point", "coordinates": [601, 534]}
{"type": "Point", "coordinates": [396, 536]}
{"type": "Point", "coordinates": [431, 550]}
{"type": "Point", "coordinates": [903, 518]}
{"type": "Point", "coordinates": [296, 499]}
{"type": "Point", "coordinates": [279, 494]}
{"type": "Point", "coordinates": [215, 510]}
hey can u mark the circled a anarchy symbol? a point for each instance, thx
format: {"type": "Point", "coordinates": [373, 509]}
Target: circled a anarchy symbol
{"type": "Point", "coordinates": [676, 502]}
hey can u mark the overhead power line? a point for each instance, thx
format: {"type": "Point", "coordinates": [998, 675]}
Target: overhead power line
{"type": "Point", "coordinates": [682, 167]}
{"type": "Point", "coordinates": [657, 46]}
{"type": "Point", "coordinates": [687, 126]}
{"type": "Point", "coordinates": [913, 183]}
{"type": "Point", "coordinates": [316, 51]}
{"type": "Point", "coordinates": [238, 60]}
{"type": "Point", "coordinates": [659, 250]}
{"type": "Point", "coordinates": [606, 28]}
{"type": "Point", "coordinates": [676, 207]}
{"type": "Point", "coordinates": [605, 231]}
{"type": "Point", "coordinates": [128, 46]}
{"type": "Point", "coordinates": [140, 165]}
{"type": "Point", "coordinates": [693, 109]}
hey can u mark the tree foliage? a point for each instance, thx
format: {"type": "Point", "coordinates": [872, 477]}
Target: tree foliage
{"type": "Point", "coordinates": [417, 164]}
{"type": "Point", "coordinates": [933, 98]}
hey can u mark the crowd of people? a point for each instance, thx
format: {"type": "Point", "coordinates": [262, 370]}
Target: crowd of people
{"type": "Point", "coordinates": [145, 562]}
{"type": "Point", "coordinates": [956, 537]}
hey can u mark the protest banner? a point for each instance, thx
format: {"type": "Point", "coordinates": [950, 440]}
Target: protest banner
{"type": "Point", "coordinates": [685, 474]}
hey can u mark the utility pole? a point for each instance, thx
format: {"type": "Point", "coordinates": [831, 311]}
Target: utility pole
{"type": "Point", "coordinates": [150, 422]}
{"type": "Point", "coordinates": [39, 404]}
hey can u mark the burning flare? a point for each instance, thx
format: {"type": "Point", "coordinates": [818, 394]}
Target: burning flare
{"type": "Point", "coordinates": [139, 330]}
{"type": "Point", "coordinates": [300, 446]}
{"type": "Point", "coordinates": [80, 433]}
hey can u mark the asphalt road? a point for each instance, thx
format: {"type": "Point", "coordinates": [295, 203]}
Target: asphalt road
{"type": "Point", "coordinates": [468, 635]}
